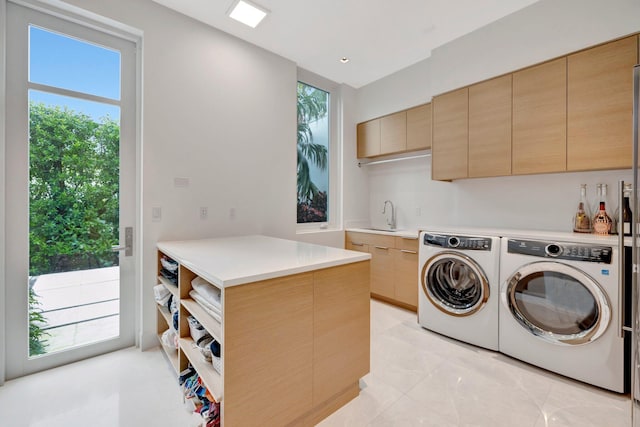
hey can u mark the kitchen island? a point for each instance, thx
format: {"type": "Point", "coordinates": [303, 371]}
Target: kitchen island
{"type": "Point", "coordinates": [294, 325]}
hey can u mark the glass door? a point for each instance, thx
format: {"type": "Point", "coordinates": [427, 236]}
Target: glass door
{"type": "Point", "coordinates": [71, 191]}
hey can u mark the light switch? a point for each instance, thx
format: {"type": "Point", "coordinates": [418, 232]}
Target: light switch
{"type": "Point", "coordinates": [156, 214]}
{"type": "Point", "coordinates": [179, 182]}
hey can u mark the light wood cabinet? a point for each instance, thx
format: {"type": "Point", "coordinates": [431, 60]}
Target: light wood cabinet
{"type": "Point", "coordinates": [419, 128]}
{"type": "Point", "coordinates": [406, 130]}
{"type": "Point", "coordinates": [393, 133]}
{"type": "Point", "coordinates": [450, 135]}
{"type": "Point", "coordinates": [301, 339]}
{"type": "Point", "coordinates": [382, 277]}
{"type": "Point", "coordinates": [405, 258]}
{"type": "Point", "coordinates": [369, 138]}
{"type": "Point", "coordinates": [490, 128]}
{"type": "Point", "coordinates": [540, 118]}
{"type": "Point", "coordinates": [600, 87]}
{"type": "Point", "coordinates": [394, 266]}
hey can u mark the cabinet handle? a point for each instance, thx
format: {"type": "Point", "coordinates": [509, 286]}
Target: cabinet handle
{"type": "Point", "coordinates": [382, 247]}
{"type": "Point", "coordinates": [410, 238]}
{"type": "Point", "coordinates": [408, 252]}
{"type": "Point", "coordinates": [357, 244]}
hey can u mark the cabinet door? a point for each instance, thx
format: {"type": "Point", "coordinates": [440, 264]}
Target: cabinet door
{"type": "Point", "coordinates": [419, 128]}
{"type": "Point", "coordinates": [600, 90]}
{"type": "Point", "coordinates": [382, 277]}
{"type": "Point", "coordinates": [393, 133]}
{"type": "Point", "coordinates": [540, 118]}
{"type": "Point", "coordinates": [490, 128]}
{"type": "Point", "coordinates": [369, 138]}
{"type": "Point", "coordinates": [405, 263]}
{"type": "Point", "coordinates": [268, 348]}
{"type": "Point", "coordinates": [341, 328]}
{"type": "Point", "coordinates": [450, 135]}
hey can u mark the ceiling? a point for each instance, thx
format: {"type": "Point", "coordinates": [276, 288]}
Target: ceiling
{"type": "Point", "coordinates": [379, 37]}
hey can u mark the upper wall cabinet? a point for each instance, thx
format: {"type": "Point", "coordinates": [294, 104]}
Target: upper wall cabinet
{"type": "Point", "coordinates": [393, 133]}
{"type": "Point", "coordinates": [599, 106]}
{"type": "Point", "coordinates": [406, 130]}
{"type": "Point", "coordinates": [450, 135]}
{"type": "Point", "coordinates": [539, 118]}
{"type": "Point", "coordinates": [369, 138]}
{"type": "Point", "coordinates": [419, 128]}
{"type": "Point", "coordinates": [490, 128]}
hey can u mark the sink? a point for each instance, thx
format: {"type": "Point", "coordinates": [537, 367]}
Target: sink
{"type": "Point", "coordinates": [379, 229]}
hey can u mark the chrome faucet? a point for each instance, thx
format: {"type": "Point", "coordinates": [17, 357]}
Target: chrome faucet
{"type": "Point", "coordinates": [391, 222]}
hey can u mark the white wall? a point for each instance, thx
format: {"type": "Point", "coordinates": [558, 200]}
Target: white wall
{"type": "Point", "coordinates": [396, 92]}
{"type": "Point", "coordinates": [544, 30]}
{"type": "Point", "coordinates": [3, 323]}
{"type": "Point", "coordinates": [220, 112]}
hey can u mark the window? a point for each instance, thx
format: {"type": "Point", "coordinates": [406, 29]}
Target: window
{"type": "Point", "coordinates": [314, 137]}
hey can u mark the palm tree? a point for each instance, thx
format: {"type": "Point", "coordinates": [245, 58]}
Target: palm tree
{"type": "Point", "coordinates": [312, 106]}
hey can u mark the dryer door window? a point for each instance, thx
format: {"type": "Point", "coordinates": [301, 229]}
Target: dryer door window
{"type": "Point", "coordinates": [557, 303]}
{"type": "Point", "coordinates": [455, 284]}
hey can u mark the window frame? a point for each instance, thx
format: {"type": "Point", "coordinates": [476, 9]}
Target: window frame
{"type": "Point", "coordinates": [334, 196]}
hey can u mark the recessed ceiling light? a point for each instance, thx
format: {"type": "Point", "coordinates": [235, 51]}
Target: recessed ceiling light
{"type": "Point", "coordinates": [344, 59]}
{"type": "Point", "coordinates": [248, 13]}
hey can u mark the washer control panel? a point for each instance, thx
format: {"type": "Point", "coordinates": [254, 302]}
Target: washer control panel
{"type": "Point", "coordinates": [458, 242]}
{"type": "Point", "coordinates": [566, 251]}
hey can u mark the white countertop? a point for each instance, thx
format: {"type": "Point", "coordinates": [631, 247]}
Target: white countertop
{"type": "Point", "coordinates": [560, 236]}
{"type": "Point", "coordinates": [410, 234]}
{"type": "Point", "coordinates": [231, 261]}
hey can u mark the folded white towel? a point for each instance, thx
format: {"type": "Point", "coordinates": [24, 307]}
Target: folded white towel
{"type": "Point", "coordinates": [210, 309]}
{"type": "Point", "coordinates": [209, 292]}
{"type": "Point", "coordinates": [161, 294]}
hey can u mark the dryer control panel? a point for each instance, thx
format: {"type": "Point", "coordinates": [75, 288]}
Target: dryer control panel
{"type": "Point", "coordinates": [567, 251]}
{"type": "Point", "coordinates": [458, 242]}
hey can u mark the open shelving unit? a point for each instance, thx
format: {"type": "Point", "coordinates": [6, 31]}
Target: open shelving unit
{"type": "Point", "coordinates": [188, 352]}
{"type": "Point", "coordinates": [293, 345]}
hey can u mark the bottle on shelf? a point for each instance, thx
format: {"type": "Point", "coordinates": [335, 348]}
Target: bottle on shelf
{"type": "Point", "coordinates": [595, 203]}
{"type": "Point", "coordinates": [608, 206]}
{"type": "Point", "coordinates": [602, 222]}
{"type": "Point", "coordinates": [582, 217]}
{"type": "Point", "coordinates": [626, 211]}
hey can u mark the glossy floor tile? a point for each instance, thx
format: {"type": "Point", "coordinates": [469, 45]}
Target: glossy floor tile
{"type": "Point", "coordinates": [417, 378]}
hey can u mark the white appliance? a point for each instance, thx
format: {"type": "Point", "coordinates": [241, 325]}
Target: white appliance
{"type": "Point", "coordinates": [458, 294]}
{"type": "Point", "coordinates": [561, 308]}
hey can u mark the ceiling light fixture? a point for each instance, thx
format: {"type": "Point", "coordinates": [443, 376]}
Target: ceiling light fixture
{"type": "Point", "coordinates": [246, 12]}
{"type": "Point", "coordinates": [344, 59]}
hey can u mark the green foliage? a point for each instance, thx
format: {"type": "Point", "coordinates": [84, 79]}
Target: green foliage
{"type": "Point", "coordinates": [37, 336]}
{"type": "Point", "coordinates": [73, 190]}
{"type": "Point", "coordinates": [313, 105]}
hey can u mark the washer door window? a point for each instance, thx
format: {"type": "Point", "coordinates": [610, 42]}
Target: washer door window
{"type": "Point", "coordinates": [557, 303]}
{"type": "Point", "coordinates": [455, 284]}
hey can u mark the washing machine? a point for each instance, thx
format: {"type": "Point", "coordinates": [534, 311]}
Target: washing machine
{"type": "Point", "coordinates": [561, 308]}
{"type": "Point", "coordinates": [459, 286]}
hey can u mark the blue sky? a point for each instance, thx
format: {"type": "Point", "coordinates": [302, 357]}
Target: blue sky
{"type": "Point", "coordinates": [65, 62]}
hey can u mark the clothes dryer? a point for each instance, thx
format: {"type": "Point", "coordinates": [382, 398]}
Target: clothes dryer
{"type": "Point", "coordinates": [560, 308]}
{"type": "Point", "coordinates": [459, 286]}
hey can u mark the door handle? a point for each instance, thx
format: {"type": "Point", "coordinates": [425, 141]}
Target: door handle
{"type": "Point", "coordinates": [128, 243]}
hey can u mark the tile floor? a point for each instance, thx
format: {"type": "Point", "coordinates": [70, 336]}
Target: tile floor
{"type": "Point", "coordinates": [417, 379]}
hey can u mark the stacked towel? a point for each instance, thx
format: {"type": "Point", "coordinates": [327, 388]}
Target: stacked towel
{"type": "Point", "coordinates": [208, 296]}
{"type": "Point", "coordinates": [212, 310]}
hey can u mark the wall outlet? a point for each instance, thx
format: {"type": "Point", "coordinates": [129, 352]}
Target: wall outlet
{"type": "Point", "coordinates": [232, 213]}
{"type": "Point", "coordinates": [418, 211]}
{"type": "Point", "coordinates": [204, 212]}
